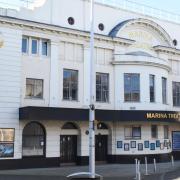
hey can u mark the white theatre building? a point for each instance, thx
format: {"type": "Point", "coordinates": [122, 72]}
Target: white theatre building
{"type": "Point", "coordinates": [45, 84]}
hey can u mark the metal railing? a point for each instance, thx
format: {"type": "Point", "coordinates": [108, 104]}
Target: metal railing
{"type": "Point", "coordinates": [142, 9]}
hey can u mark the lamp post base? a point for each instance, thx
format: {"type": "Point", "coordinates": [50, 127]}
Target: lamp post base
{"type": "Point", "coordinates": [83, 176]}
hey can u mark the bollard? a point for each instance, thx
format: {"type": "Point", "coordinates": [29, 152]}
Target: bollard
{"type": "Point", "coordinates": [172, 161]}
{"type": "Point", "coordinates": [146, 166]}
{"type": "Point", "coordinates": [139, 176]}
{"type": "Point", "coordinates": [139, 173]}
{"type": "Point", "coordinates": [154, 165]}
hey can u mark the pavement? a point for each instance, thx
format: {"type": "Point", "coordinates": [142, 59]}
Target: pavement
{"type": "Point", "coordinates": [165, 171]}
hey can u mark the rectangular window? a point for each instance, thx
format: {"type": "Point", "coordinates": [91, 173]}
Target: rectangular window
{"type": "Point", "coordinates": [166, 132]}
{"type": "Point", "coordinates": [132, 132]}
{"type": "Point", "coordinates": [25, 42]}
{"type": "Point", "coordinates": [34, 88]}
{"type": "Point", "coordinates": [102, 87]}
{"type": "Point", "coordinates": [152, 87]}
{"type": "Point", "coordinates": [164, 90]}
{"type": "Point", "coordinates": [176, 93]}
{"type": "Point", "coordinates": [154, 131]}
{"type": "Point", "coordinates": [132, 87]}
{"type": "Point", "coordinates": [34, 46]}
{"type": "Point", "coordinates": [45, 47]}
{"type": "Point", "coordinates": [70, 84]}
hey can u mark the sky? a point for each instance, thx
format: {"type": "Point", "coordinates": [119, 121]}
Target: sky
{"type": "Point", "coordinates": [168, 5]}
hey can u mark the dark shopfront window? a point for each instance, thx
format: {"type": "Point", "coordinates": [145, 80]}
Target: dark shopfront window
{"type": "Point", "coordinates": [176, 93]}
{"type": "Point", "coordinates": [33, 140]}
{"type": "Point", "coordinates": [131, 87]}
{"type": "Point", "coordinates": [70, 84]}
{"type": "Point", "coordinates": [132, 132]}
{"type": "Point", "coordinates": [102, 87]}
{"type": "Point", "coordinates": [154, 131]}
{"type": "Point", "coordinates": [152, 87]}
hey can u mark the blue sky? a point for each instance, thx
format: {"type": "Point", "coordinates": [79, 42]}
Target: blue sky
{"type": "Point", "coordinates": [169, 5]}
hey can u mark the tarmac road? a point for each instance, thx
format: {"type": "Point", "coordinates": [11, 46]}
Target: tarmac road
{"type": "Point", "coordinates": [165, 171]}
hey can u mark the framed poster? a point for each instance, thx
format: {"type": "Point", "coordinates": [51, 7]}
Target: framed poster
{"type": "Point", "coordinates": [6, 135]}
{"type": "Point", "coordinates": [140, 146]}
{"type": "Point", "coordinates": [146, 144]}
{"type": "Point", "coordinates": [126, 146]}
{"type": "Point", "coordinates": [6, 150]}
{"type": "Point", "coordinates": [152, 146]}
{"type": "Point", "coordinates": [176, 140]}
{"type": "Point", "coordinates": [157, 143]}
{"type": "Point", "coordinates": [133, 144]}
{"type": "Point", "coordinates": [162, 146]}
{"type": "Point", "coordinates": [119, 144]}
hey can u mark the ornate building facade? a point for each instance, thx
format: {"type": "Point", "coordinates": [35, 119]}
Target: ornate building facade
{"type": "Point", "coordinates": [44, 85]}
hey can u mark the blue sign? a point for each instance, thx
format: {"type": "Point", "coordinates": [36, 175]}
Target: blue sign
{"type": "Point", "coordinates": [176, 141]}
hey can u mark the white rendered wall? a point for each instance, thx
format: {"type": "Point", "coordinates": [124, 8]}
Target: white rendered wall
{"type": "Point", "coordinates": [10, 83]}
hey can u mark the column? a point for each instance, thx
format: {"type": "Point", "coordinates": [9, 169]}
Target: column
{"type": "Point", "coordinates": [54, 97]}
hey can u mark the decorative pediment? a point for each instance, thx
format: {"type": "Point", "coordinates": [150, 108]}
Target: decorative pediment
{"type": "Point", "coordinates": [145, 33]}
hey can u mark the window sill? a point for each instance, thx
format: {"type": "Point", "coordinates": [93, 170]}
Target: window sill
{"type": "Point", "coordinates": [132, 139]}
{"type": "Point", "coordinates": [103, 102]}
{"type": "Point", "coordinates": [67, 100]}
{"type": "Point", "coordinates": [132, 101]}
{"type": "Point", "coordinates": [33, 98]}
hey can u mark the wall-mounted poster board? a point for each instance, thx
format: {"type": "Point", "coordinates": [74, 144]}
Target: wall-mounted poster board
{"type": "Point", "coordinates": [176, 140]}
{"type": "Point", "coordinates": [6, 135]}
{"type": "Point", "coordinates": [6, 142]}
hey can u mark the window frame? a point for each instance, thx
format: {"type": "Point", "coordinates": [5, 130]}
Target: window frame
{"type": "Point", "coordinates": [132, 132]}
{"type": "Point", "coordinates": [132, 91]}
{"type": "Point", "coordinates": [164, 93]}
{"type": "Point", "coordinates": [176, 93]}
{"type": "Point", "coordinates": [36, 39]}
{"type": "Point", "coordinates": [101, 87]}
{"type": "Point", "coordinates": [48, 47]}
{"type": "Point", "coordinates": [27, 45]}
{"type": "Point", "coordinates": [166, 133]}
{"type": "Point", "coordinates": [70, 86]}
{"type": "Point", "coordinates": [156, 132]}
{"type": "Point", "coordinates": [152, 99]}
{"type": "Point", "coordinates": [34, 97]}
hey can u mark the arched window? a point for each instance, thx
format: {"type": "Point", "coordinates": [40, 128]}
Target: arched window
{"type": "Point", "coordinates": [102, 126]}
{"type": "Point", "coordinates": [33, 140]}
{"type": "Point", "coordinates": [69, 125]}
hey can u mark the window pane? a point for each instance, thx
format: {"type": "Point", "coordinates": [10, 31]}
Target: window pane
{"type": "Point", "coordinates": [176, 93]}
{"type": "Point", "coordinates": [132, 87]}
{"type": "Point", "coordinates": [102, 87]}
{"type": "Point", "coordinates": [128, 132]}
{"type": "Point", "coordinates": [152, 88]}
{"type": "Point", "coordinates": [166, 132]}
{"type": "Point", "coordinates": [164, 90]}
{"type": "Point", "coordinates": [154, 131]}
{"type": "Point", "coordinates": [136, 132]}
{"type": "Point", "coordinates": [34, 88]}
{"type": "Point", "coordinates": [24, 45]}
{"type": "Point", "coordinates": [70, 84]}
{"type": "Point", "coordinates": [34, 46]}
{"type": "Point", "coordinates": [44, 48]}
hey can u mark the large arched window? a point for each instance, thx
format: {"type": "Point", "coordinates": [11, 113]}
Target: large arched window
{"type": "Point", "coordinates": [34, 140]}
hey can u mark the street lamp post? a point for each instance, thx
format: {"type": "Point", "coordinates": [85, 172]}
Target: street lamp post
{"type": "Point", "coordinates": [92, 98]}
